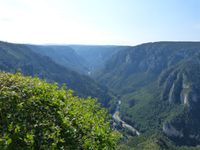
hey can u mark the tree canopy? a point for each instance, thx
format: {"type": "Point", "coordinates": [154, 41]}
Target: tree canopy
{"type": "Point", "coordinates": [37, 115]}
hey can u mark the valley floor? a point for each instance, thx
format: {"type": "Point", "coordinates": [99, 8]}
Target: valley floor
{"type": "Point", "coordinates": [117, 118]}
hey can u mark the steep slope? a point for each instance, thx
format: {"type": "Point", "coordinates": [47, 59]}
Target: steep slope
{"type": "Point", "coordinates": [142, 64]}
{"type": "Point", "coordinates": [62, 55]}
{"type": "Point", "coordinates": [15, 56]}
{"type": "Point", "coordinates": [158, 84]}
{"type": "Point", "coordinates": [181, 86]}
{"type": "Point", "coordinates": [95, 55]}
{"type": "Point", "coordinates": [80, 58]}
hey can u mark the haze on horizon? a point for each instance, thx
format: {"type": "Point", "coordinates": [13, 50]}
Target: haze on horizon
{"type": "Point", "coordinates": [113, 22]}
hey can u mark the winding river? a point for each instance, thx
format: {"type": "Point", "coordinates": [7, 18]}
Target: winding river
{"type": "Point", "coordinates": [117, 118]}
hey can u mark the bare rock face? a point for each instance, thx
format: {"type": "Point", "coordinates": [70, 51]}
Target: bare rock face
{"type": "Point", "coordinates": [170, 130]}
{"type": "Point", "coordinates": [181, 87]}
{"type": "Point", "coordinates": [184, 129]}
{"type": "Point", "coordinates": [176, 69]}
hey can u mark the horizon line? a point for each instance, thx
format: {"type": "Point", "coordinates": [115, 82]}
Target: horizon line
{"type": "Point", "coordinates": [84, 44]}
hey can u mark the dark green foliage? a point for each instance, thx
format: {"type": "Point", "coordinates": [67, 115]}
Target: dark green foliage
{"type": "Point", "coordinates": [14, 56]}
{"type": "Point", "coordinates": [163, 79]}
{"type": "Point", "coordinates": [155, 141]}
{"type": "Point", "coordinates": [154, 110]}
{"type": "Point", "coordinates": [158, 84]}
{"type": "Point", "coordinates": [38, 115]}
{"type": "Point", "coordinates": [137, 66]}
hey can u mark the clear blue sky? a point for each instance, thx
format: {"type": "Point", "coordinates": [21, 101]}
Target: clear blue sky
{"type": "Point", "coordinates": [121, 22]}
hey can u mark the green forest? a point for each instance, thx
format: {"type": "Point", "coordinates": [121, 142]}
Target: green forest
{"type": "Point", "coordinates": [143, 97]}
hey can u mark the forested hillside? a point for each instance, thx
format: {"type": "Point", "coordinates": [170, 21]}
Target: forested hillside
{"type": "Point", "coordinates": [63, 55]}
{"type": "Point", "coordinates": [153, 87]}
{"type": "Point", "coordinates": [15, 57]}
{"type": "Point", "coordinates": [96, 56]}
{"type": "Point", "coordinates": [158, 84]}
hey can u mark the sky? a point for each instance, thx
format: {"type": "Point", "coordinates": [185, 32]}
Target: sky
{"type": "Point", "coordinates": [101, 22]}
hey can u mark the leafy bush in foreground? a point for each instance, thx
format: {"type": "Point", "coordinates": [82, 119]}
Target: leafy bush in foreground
{"type": "Point", "coordinates": [38, 115]}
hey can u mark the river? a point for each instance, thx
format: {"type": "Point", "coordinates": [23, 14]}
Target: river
{"type": "Point", "coordinates": [117, 118]}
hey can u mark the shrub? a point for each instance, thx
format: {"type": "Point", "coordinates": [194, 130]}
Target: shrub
{"type": "Point", "coordinates": [38, 115]}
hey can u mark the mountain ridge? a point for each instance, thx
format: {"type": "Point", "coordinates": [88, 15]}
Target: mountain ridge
{"type": "Point", "coordinates": [157, 83]}
{"type": "Point", "coordinates": [159, 88]}
{"type": "Point", "coordinates": [15, 56]}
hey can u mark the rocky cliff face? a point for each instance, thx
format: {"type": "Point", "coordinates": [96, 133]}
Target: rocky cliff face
{"type": "Point", "coordinates": [181, 85]}
{"type": "Point", "coordinates": [145, 60]}
{"type": "Point", "coordinates": [170, 130]}
{"type": "Point", "coordinates": [175, 66]}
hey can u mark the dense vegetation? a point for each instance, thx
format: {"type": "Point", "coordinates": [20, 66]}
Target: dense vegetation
{"type": "Point", "coordinates": [15, 56]}
{"type": "Point", "coordinates": [62, 55]}
{"type": "Point", "coordinates": [38, 115]}
{"type": "Point", "coordinates": [84, 59]}
{"type": "Point", "coordinates": [158, 84]}
{"type": "Point", "coordinates": [156, 141]}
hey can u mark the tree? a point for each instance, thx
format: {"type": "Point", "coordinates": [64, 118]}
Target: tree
{"type": "Point", "coordinates": [37, 115]}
